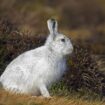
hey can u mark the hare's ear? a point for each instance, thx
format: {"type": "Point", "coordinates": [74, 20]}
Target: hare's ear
{"type": "Point", "coordinates": [52, 26]}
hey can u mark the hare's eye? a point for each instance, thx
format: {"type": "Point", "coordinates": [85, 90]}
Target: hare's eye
{"type": "Point", "coordinates": [63, 40]}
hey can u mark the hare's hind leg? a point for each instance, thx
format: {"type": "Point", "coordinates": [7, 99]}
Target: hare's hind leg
{"type": "Point", "coordinates": [44, 91]}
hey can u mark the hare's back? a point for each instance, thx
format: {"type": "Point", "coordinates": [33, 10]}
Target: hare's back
{"type": "Point", "coordinates": [28, 58]}
{"type": "Point", "coordinates": [21, 66]}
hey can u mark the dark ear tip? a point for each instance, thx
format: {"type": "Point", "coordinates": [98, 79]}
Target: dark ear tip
{"type": "Point", "coordinates": [52, 19]}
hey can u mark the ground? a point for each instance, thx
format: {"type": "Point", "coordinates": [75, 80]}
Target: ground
{"type": "Point", "coordinates": [7, 98]}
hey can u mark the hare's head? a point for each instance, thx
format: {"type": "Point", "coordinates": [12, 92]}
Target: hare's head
{"type": "Point", "coordinates": [57, 41]}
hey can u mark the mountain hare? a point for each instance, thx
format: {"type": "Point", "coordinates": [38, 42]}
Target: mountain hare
{"type": "Point", "coordinates": [34, 71]}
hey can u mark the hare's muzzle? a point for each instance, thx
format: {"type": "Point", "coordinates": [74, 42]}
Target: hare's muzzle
{"type": "Point", "coordinates": [70, 49]}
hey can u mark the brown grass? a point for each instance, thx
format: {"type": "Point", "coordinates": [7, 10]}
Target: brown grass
{"type": "Point", "coordinates": [7, 98]}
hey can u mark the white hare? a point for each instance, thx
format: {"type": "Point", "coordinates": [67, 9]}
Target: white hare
{"type": "Point", "coordinates": [34, 71]}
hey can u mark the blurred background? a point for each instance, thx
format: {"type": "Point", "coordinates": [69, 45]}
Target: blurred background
{"type": "Point", "coordinates": [23, 27]}
{"type": "Point", "coordinates": [82, 20]}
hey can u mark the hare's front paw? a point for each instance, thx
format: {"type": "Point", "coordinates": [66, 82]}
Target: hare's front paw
{"type": "Point", "coordinates": [44, 91]}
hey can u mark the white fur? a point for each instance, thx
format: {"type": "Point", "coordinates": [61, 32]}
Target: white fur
{"type": "Point", "coordinates": [34, 71]}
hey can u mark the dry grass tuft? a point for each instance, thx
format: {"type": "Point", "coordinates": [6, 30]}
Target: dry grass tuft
{"type": "Point", "coordinates": [12, 99]}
